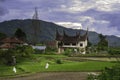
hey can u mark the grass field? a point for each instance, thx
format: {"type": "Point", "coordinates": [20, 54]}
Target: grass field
{"type": "Point", "coordinates": [37, 64]}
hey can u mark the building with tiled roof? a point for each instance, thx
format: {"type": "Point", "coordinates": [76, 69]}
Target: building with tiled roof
{"type": "Point", "coordinates": [9, 42]}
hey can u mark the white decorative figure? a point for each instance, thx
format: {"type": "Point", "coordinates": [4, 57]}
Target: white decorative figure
{"type": "Point", "coordinates": [14, 70]}
{"type": "Point", "coordinates": [46, 66]}
{"type": "Point", "coordinates": [75, 50]}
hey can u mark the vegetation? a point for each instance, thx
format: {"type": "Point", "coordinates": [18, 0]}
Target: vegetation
{"type": "Point", "coordinates": [37, 62]}
{"type": "Point", "coordinates": [114, 51]}
{"type": "Point", "coordinates": [2, 35]}
{"type": "Point", "coordinates": [20, 34]}
{"type": "Point", "coordinates": [6, 56]}
{"type": "Point", "coordinates": [107, 74]}
{"type": "Point", "coordinates": [49, 51]}
{"type": "Point", "coordinates": [58, 61]}
{"type": "Point", "coordinates": [103, 43]}
{"type": "Point", "coordinates": [68, 52]}
{"type": "Point", "coordinates": [27, 62]}
{"type": "Point", "coordinates": [24, 51]}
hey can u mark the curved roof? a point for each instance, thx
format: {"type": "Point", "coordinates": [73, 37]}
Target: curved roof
{"type": "Point", "coordinates": [65, 38]}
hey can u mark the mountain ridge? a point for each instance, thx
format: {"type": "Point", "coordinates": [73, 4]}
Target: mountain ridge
{"type": "Point", "coordinates": [47, 31]}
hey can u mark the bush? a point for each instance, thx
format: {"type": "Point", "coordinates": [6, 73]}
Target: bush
{"type": "Point", "coordinates": [58, 61]}
{"type": "Point", "coordinates": [67, 52]}
{"type": "Point", "coordinates": [107, 74]}
{"type": "Point", "coordinates": [36, 51]}
{"type": "Point", "coordinates": [50, 50]}
{"type": "Point", "coordinates": [24, 51]}
{"type": "Point", "coordinates": [114, 51]}
{"type": "Point", "coordinates": [7, 56]}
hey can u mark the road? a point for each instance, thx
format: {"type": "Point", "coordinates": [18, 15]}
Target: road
{"type": "Point", "coordinates": [51, 76]}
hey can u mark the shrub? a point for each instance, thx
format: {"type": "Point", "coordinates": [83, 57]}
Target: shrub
{"type": "Point", "coordinates": [107, 74]}
{"type": "Point", "coordinates": [58, 61]}
{"type": "Point", "coordinates": [24, 51]}
{"type": "Point", "coordinates": [67, 52]}
{"type": "Point", "coordinates": [51, 49]}
{"type": "Point", "coordinates": [114, 51]}
{"type": "Point", "coordinates": [6, 56]}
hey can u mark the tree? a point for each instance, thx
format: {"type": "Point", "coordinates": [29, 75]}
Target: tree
{"type": "Point", "coordinates": [25, 50]}
{"type": "Point", "coordinates": [7, 56]}
{"type": "Point", "coordinates": [89, 44]}
{"type": "Point", "coordinates": [2, 35]}
{"type": "Point", "coordinates": [20, 34]}
{"type": "Point", "coordinates": [103, 43]}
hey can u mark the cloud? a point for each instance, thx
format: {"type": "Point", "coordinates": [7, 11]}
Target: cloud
{"type": "Point", "coordinates": [105, 19]}
{"type": "Point", "coordinates": [106, 30]}
{"type": "Point", "coordinates": [89, 21]}
{"type": "Point", "coordinates": [3, 10]}
{"type": "Point", "coordinates": [95, 14]}
{"type": "Point", "coordinates": [100, 5]}
{"type": "Point", "coordinates": [113, 18]}
{"type": "Point", "coordinates": [70, 25]}
{"type": "Point", "coordinates": [17, 14]}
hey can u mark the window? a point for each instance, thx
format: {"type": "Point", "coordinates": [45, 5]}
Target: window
{"type": "Point", "coordinates": [81, 44]}
{"type": "Point", "coordinates": [74, 44]}
{"type": "Point", "coordinates": [66, 44]}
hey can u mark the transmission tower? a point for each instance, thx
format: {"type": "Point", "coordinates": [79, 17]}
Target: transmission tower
{"type": "Point", "coordinates": [35, 27]}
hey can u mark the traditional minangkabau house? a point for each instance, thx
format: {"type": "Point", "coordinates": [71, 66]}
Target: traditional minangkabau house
{"type": "Point", "coordinates": [77, 42]}
{"type": "Point", "coordinates": [10, 42]}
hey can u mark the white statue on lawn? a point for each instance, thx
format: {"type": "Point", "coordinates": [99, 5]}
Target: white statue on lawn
{"type": "Point", "coordinates": [46, 66]}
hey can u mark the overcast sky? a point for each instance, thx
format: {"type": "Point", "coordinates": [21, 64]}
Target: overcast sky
{"type": "Point", "coordinates": [102, 16]}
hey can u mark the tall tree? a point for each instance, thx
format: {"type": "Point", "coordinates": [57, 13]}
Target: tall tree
{"type": "Point", "coordinates": [20, 34]}
{"type": "Point", "coordinates": [2, 35]}
{"type": "Point", "coordinates": [103, 43]}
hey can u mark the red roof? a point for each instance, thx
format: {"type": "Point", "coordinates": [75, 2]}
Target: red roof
{"type": "Point", "coordinates": [11, 40]}
{"type": "Point", "coordinates": [7, 45]}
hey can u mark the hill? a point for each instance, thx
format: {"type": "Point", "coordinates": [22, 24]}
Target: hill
{"type": "Point", "coordinates": [47, 31]}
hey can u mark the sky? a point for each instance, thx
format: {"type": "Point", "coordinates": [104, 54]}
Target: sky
{"type": "Point", "coordinates": [101, 16]}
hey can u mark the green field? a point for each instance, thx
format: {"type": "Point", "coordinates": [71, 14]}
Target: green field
{"type": "Point", "coordinates": [37, 64]}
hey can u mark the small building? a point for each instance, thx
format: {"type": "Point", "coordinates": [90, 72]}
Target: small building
{"type": "Point", "coordinates": [76, 42]}
{"type": "Point", "coordinates": [9, 42]}
{"type": "Point", "coordinates": [39, 47]}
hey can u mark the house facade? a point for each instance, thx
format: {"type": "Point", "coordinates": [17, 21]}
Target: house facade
{"type": "Point", "coordinates": [77, 42]}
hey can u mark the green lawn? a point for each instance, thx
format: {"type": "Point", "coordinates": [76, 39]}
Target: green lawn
{"type": "Point", "coordinates": [37, 64]}
{"type": "Point", "coordinates": [67, 66]}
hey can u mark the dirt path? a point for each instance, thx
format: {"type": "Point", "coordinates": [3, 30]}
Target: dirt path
{"type": "Point", "coordinates": [52, 76]}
